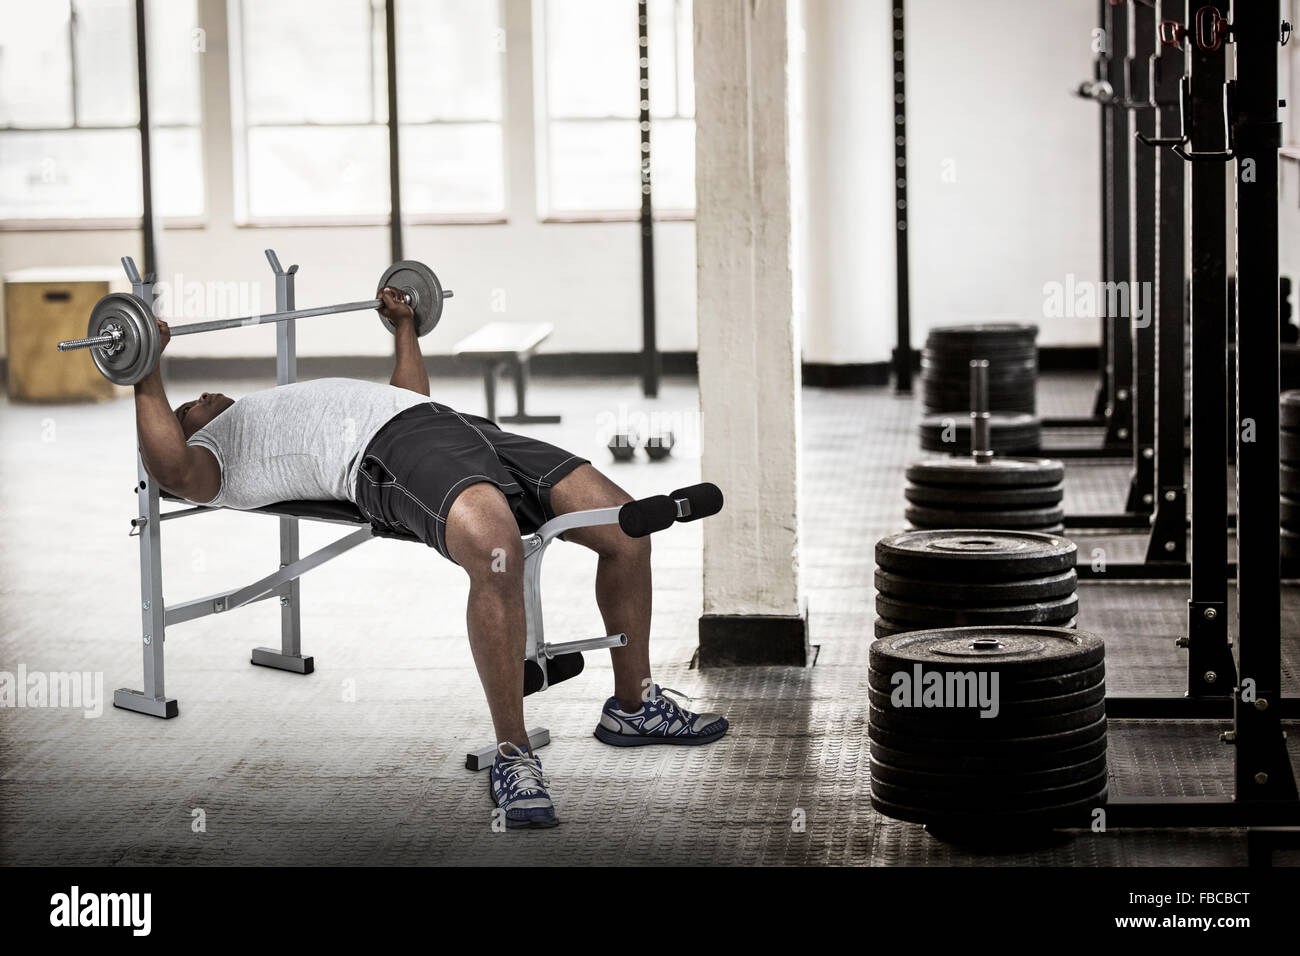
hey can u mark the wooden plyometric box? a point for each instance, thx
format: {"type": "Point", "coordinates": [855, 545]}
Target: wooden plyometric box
{"type": "Point", "coordinates": [42, 308]}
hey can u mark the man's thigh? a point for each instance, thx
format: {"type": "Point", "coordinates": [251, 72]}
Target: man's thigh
{"type": "Point", "coordinates": [583, 489]}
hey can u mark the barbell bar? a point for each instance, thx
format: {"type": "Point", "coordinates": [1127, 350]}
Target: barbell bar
{"type": "Point", "coordinates": [125, 343]}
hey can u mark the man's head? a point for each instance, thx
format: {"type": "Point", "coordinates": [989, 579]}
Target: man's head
{"type": "Point", "coordinates": [193, 415]}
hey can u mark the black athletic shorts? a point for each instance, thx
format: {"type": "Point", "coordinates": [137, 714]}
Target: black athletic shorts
{"type": "Point", "coordinates": [418, 463]}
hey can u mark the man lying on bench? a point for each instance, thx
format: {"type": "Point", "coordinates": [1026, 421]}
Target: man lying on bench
{"type": "Point", "coordinates": [462, 486]}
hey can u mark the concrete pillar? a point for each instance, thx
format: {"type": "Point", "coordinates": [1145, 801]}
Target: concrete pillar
{"type": "Point", "coordinates": [749, 370]}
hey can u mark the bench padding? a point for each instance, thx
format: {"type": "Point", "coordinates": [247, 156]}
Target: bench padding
{"type": "Point", "coordinates": [344, 511]}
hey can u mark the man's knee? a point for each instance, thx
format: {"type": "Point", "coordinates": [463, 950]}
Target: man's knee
{"type": "Point", "coordinates": [483, 536]}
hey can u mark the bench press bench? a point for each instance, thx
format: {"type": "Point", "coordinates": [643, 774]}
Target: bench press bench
{"type": "Point", "coordinates": [545, 664]}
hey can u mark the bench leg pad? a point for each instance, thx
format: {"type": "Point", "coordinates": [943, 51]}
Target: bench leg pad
{"type": "Point", "coordinates": [270, 657]}
{"type": "Point", "coordinates": [136, 700]}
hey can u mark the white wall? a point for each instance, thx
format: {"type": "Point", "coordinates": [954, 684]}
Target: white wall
{"type": "Point", "coordinates": [988, 89]}
{"type": "Point", "coordinates": [988, 99]}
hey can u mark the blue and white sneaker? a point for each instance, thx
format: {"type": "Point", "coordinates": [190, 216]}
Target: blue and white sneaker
{"type": "Point", "coordinates": [518, 787]}
{"type": "Point", "coordinates": [660, 720]}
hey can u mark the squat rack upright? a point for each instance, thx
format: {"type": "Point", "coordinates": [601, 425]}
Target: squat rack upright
{"type": "Point", "coordinates": [1265, 793]}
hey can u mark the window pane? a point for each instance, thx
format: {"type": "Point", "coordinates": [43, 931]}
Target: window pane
{"type": "Point", "coordinates": [318, 171]}
{"type": "Point", "coordinates": [178, 172]}
{"type": "Point", "coordinates": [35, 77]}
{"type": "Point", "coordinates": [685, 59]}
{"type": "Point", "coordinates": [174, 63]}
{"type": "Point", "coordinates": [104, 41]}
{"type": "Point", "coordinates": [672, 158]}
{"type": "Point", "coordinates": [594, 165]}
{"type": "Point", "coordinates": [448, 169]}
{"type": "Point", "coordinates": [307, 61]}
{"type": "Point", "coordinates": [591, 57]}
{"type": "Point", "coordinates": [590, 62]}
{"type": "Point", "coordinates": [70, 174]}
{"type": "Point", "coordinates": [662, 41]}
{"type": "Point", "coordinates": [449, 60]}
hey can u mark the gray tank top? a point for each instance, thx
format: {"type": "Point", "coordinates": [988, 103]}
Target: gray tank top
{"type": "Point", "coordinates": [299, 442]}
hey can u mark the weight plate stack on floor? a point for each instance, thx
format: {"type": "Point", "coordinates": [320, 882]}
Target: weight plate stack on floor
{"type": "Point", "coordinates": [976, 731]}
{"type": "Point", "coordinates": [1009, 434]}
{"type": "Point", "coordinates": [954, 578]}
{"type": "Point", "coordinates": [1002, 493]}
{"type": "Point", "coordinates": [1012, 354]}
{"type": "Point", "coordinates": [1289, 439]}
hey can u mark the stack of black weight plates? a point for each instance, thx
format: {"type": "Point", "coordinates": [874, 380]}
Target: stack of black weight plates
{"type": "Point", "coordinates": [953, 578]}
{"type": "Point", "coordinates": [1289, 438]}
{"type": "Point", "coordinates": [1012, 354]}
{"type": "Point", "coordinates": [1006, 493]}
{"type": "Point", "coordinates": [1010, 433]}
{"type": "Point", "coordinates": [1037, 761]}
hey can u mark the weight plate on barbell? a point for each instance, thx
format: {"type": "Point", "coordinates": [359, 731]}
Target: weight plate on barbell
{"type": "Point", "coordinates": [985, 555]}
{"type": "Point", "coordinates": [981, 500]}
{"type": "Point", "coordinates": [1044, 799]}
{"type": "Point", "coordinates": [966, 725]}
{"type": "Point", "coordinates": [1289, 446]}
{"type": "Point", "coordinates": [1028, 519]}
{"type": "Point", "coordinates": [1012, 688]}
{"type": "Point", "coordinates": [979, 594]}
{"type": "Point", "coordinates": [999, 405]}
{"type": "Point", "coordinates": [901, 708]}
{"type": "Point", "coordinates": [967, 763]}
{"type": "Point", "coordinates": [1290, 512]}
{"type": "Point", "coordinates": [885, 628]}
{"type": "Point", "coordinates": [136, 353]}
{"type": "Point", "coordinates": [1051, 613]}
{"type": "Point", "coordinates": [1001, 748]}
{"type": "Point", "coordinates": [989, 782]}
{"type": "Point", "coordinates": [994, 828]}
{"type": "Point", "coordinates": [988, 331]}
{"type": "Point", "coordinates": [1290, 545]}
{"type": "Point", "coordinates": [1290, 480]}
{"type": "Point", "coordinates": [991, 473]}
{"type": "Point", "coordinates": [1008, 432]}
{"type": "Point", "coordinates": [1019, 653]}
{"type": "Point", "coordinates": [1289, 407]}
{"type": "Point", "coordinates": [410, 274]}
{"type": "Point", "coordinates": [1015, 370]}
{"type": "Point", "coordinates": [1005, 366]}
{"type": "Point", "coordinates": [946, 398]}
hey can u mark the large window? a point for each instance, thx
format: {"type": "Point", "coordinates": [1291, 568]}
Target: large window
{"type": "Point", "coordinates": [588, 137]}
{"type": "Point", "coordinates": [69, 111]}
{"type": "Point", "coordinates": [311, 109]}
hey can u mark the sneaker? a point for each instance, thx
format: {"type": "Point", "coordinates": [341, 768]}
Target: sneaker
{"type": "Point", "coordinates": [518, 787]}
{"type": "Point", "coordinates": [660, 720]}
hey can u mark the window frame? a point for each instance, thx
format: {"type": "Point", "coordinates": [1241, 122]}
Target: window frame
{"type": "Point", "coordinates": [242, 218]}
{"type": "Point", "coordinates": [105, 223]}
{"type": "Point", "coordinates": [542, 120]}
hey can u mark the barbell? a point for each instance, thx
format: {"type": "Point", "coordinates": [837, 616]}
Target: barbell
{"type": "Point", "coordinates": [125, 344]}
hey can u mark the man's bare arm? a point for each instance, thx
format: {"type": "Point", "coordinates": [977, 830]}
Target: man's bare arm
{"type": "Point", "coordinates": [182, 469]}
{"type": "Point", "coordinates": [409, 371]}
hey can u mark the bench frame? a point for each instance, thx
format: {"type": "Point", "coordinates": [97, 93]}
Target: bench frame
{"type": "Point", "coordinates": [157, 615]}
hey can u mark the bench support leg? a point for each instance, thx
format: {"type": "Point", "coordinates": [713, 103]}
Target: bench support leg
{"type": "Point", "coordinates": [289, 657]}
{"type": "Point", "coordinates": [152, 699]}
